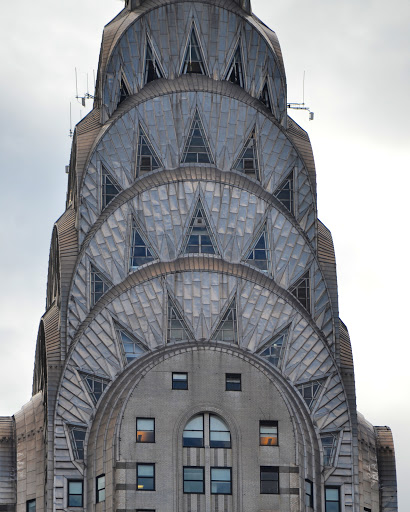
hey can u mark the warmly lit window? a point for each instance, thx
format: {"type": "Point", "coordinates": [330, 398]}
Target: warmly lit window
{"type": "Point", "coordinates": [179, 381]}
{"type": "Point", "coordinates": [219, 435]}
{"type": "Point", "coordinates": [268, 433]}
{"type": "Point", "coordinates": [194, 432]}
{"type": "Point", "coordinates": [145, 430]}
{"type": "Point", "coordinates": [100, 488]}
{"type": "Point", "coordinates": [75, 493]}
{"type": "Point", "coordinates": [269, 480]}
{"type": "Point", "coordinates": [194, 480]}
{"type": "Point", "coordinates": [31, 506]}
{"type": "Point", "coordinates": [332, 499]}
{"type": "Point", "coordinates": [146, 477]}
{"type": "Point", "coordinates": [221, 480]}
{"type": "Point", "coordinates": [308, 493]}
{"type": "Point", "coordinates": [233, 382]}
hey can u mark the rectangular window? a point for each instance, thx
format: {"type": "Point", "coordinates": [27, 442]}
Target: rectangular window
{"type": "Point", "coordinates": [332, 499]}
{"type": "Point", "coordinates": [75, 493]}
{"type": "Point", "coordinates": [31, 506]}
{"type": "Point", "coordinates": [194, 480]}
{"type": "Point", "coordinates": [233, 382]}
{"type": "Point", "coordinates": [100, 488]}
{"type": "Point", "coordinates": [268, 433]}
{"type": "Point", "coordinates": [269, 480]}
{"type": "Point", "coordinates": [308, 493]}
{"type": "Point", "coordinates": [146, 477]}
{"type": "Point", "coordinates": [145, 430]}
{"type": "Point", "coordinates": [179, 381]}
{"type": "Point", "coordinates": [221, 480]}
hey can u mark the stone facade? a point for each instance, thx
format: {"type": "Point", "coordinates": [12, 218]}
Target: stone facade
{"type": "Point", "coordinates": [191, 357]}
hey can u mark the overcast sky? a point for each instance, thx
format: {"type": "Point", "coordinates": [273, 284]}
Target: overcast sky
{"type": "Point", "coordinates": [356, 55]}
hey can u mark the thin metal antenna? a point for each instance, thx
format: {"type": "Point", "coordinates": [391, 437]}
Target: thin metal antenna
{"type": "Point", "coordinates": [87, 84]}
{"type": "Point", "coordinates": [76, 84]}
{"type": "Point", "coordinates": [71, 123]}
{"type": "Point", "coordinates": [301, 106]}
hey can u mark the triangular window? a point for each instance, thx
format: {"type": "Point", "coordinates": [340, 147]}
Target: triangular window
{"type": "Point", "coordinates": [301, 290]}
{"type": "Point", "coordinates": [95, 386]}
{"type": "Point", "coordinates": [77, 435]}
{"type": "Point", "coordinates": [265, 97]}
{"type": "Point", "coordinates": [259, 254]}
{"type": "Point", "coordinates": [310, 392]}
{"type": "Point", "coordinates": [99, 285]}
{"type": "Point", "coordinates": [200, 239]}
{"type": "Point", "coordinates": [329, 445]}
{"type": "Point", "coordinates": [235, 71]}
{"type": "Point", "coordinates": [193, 61]}
{"type": "Point", "coordinates": [140, 252]}
{"type": "Point", "coordinates": [110, 187]}
{"type": "Point", "coordinates": [131, 347]}
{"type": "Point", "coordinates": [124, 91]}
{"type": "Point", "coordinates": [273, 350]}
{"type": "Point", "coordinates": [227, 329]}
{"type": "Point", "coordinates": [248, 159]}
{"type": "Point", "coordinates": [152, 70]}
{"type": "Point", "coordinates": [285, 193]}
{"type": "Point", "coordinates": [147, 160]}
{"type": "Point", "coordinates": [177, 328]}
{"type": "Point", "coordinates": [197, 148]}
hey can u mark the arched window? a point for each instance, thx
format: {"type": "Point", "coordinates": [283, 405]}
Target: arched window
{"type": "Point", "coordinates": [216, 434]}
{"type": "Point", "coordinates": [193, 435]}
{"type": "Point", "coordinates": [219, 435]}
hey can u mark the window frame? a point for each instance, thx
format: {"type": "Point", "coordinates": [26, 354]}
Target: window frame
{"type": "Point", "coordinates": [98, 499]}
{"type": "Point", "coordinates": [337, 488]}
{"type": "Point", "coordinates": [174, 381]}
{"type": "Point", "coordinates": [202, 415]}
{"type": "Point", "coordinates": [185, 480]}
{"type": "Point", "coordinates": [28, 502]}
{"type": "Point", "coordinates": [272, 423]}
{"type": "Point", "coordinates": [211, 430]}
{"type": "Point", "coordinates": [140, 430]}
{"type": "Point", "coordinates": [309, 497]}
{"type": "Point", "coordinates": [211, 480]}
{"type": "Point", "coordinates": [71, 494]}
{"type": "Point", "coordinates": [269, 469]}
{"type": "Point", "coordinates": [152, 464]}
{"type": "Point", "coordinates": [229, 378]}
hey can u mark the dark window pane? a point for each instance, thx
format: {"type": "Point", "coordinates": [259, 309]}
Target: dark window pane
{"type": "Point", "coordinates": [233, 380]}
{"type": "Point", "coordinates": [179, 381]}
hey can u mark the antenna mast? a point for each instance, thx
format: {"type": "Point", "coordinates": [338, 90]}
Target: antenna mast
{"type": "Point", "coordinates": [302, 106]}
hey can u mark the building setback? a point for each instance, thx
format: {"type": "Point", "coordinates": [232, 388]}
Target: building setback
{"type": "Point", "coordinates": [191, 357]}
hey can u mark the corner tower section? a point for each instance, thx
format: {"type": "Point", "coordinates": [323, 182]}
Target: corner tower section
{"type": "Point", "coordinates": [199, 276]}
